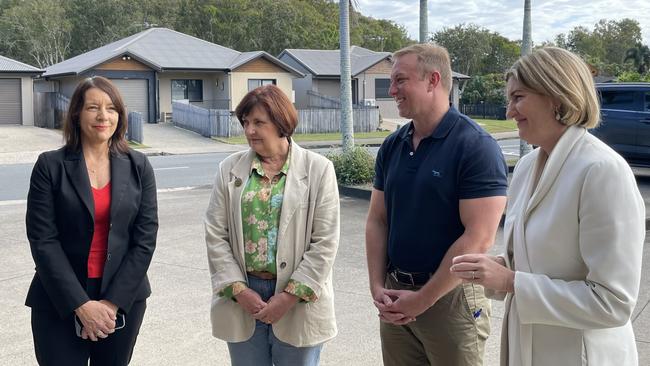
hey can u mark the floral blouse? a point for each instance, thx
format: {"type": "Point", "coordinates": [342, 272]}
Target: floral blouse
{"type": "Point", "coordinates": [261, 206]}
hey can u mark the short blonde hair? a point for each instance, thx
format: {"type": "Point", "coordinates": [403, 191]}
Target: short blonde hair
{"type": "Point", "coordinates": [565, 78]}
{"type": "Point", "coordinates": [430, 58]}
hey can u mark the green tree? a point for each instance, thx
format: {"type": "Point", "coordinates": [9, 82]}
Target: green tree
{"type": "Point", "coordinates": [488, 88]}
{"type": "Point", "coordinates": [36, 39]}
{"type": "Point", "coordinates": [476, 51]}
{"type": "Point", "coordinates": [640, 56]}
{"type": "Point", "coordinates": [468, 45]}
{"type": "Point", "coordinates": [502, 54]}
{"type": "Point", "coordinates": [605, 48]}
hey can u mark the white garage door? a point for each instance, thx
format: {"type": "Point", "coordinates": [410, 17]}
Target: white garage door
{"type": "Point", "coordinates": [135, 95]}
{"type": "Point", "coordinates": [10, 102]}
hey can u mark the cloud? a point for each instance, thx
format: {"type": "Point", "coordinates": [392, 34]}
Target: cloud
{"type": "Point", "coordinates": [549, 17]}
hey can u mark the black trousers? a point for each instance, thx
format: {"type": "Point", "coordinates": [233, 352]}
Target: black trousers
{"type": "Point", "coordinates": [56, 342]}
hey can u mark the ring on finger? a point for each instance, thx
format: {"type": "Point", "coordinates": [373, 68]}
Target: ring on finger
{"type": "Point", "coordinates": [473, 275]}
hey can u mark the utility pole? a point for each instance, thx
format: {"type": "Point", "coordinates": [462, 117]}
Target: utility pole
{"type": "Point", "coordinates": [424, 25]}
{"type": "Point", "coordinates": [347, 129]}
{"type": "Point", "coordinates": [526, 49]}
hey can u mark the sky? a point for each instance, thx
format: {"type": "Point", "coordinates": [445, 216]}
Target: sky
{"type": "Point", "coordinates": [549, 17]}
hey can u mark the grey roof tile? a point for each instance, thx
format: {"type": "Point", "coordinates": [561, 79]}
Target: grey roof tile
{"type": "Point", "coordinates": [159, 48]}
{"type": "Point", "coordinates": [327, 62]}
{"type": "Point", "coordinates": [9, 65]}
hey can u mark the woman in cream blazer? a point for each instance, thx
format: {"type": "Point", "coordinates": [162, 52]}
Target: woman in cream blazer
{"type": "Point", "coordinates": [307, 236]}
{"type": "Point", "coordinates": [574, 228]}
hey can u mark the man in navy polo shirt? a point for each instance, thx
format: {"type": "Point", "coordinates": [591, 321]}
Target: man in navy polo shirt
{"type": "Point", "coordinates": [439, 192]}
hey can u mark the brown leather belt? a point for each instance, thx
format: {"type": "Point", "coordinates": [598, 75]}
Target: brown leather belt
{"type": "Point", "coordinates": [262, 275]}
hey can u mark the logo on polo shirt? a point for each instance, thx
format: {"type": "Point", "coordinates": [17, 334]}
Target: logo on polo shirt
{"type": "Point", "coordinates": [436, 173]}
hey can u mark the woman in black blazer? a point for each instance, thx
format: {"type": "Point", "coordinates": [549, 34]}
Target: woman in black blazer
{"type": "Point", "coordinates": [92, 223]}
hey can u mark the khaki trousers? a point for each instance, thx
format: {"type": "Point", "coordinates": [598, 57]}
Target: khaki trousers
{"type": "Point", "coordinates": [446, 334]}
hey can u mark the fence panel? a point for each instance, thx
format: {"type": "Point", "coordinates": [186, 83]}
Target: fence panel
{"type": "Point", "coordinates": [50, 109]}
{"type": "Point", "coordinates": [221, 123]}
{"type": "Point", "coordinates": [134, 128]}
{"type": "Point", "coordinates": [484, 110]}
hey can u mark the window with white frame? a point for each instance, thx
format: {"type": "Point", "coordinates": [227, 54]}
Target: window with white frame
{"type": "Point", "coordinates": [256, 83]}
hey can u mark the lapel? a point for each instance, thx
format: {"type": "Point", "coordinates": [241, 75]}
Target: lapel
{"type": "Point", "coordinates": [238, 179]}
{"type": "Point", "coordinates": [294, 189]}
{"type": "Point", "coordinates": [554, 164]}
{"type": "Point", "coordinates": [75, 169]}
{"type": "Point", "coordinates": [120, 173]}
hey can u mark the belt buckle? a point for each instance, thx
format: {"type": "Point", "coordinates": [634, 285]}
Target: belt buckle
{"type": "Point", "coordinates": [405, 274]}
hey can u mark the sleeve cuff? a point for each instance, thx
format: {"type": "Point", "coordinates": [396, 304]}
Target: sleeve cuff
{"type": "Point", "coordinates": [233, 290]}
{"type": "Point", "coordinates": [302, 291]}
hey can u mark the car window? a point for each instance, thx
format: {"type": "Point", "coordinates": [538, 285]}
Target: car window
{"type": "Point", "coordinates": [646, 102]}
{"type": "Point", "coordinates": [617, 99]}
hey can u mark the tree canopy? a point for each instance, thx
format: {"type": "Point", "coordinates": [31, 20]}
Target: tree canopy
{"type": "Point", "coordinates": [44, 32]}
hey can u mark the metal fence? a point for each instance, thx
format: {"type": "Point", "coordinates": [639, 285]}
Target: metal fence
{"type": "Point", "coordinates": [50, 109]}
{"type": "Point", "coordinates": [484, 110]}
{"type": "Point", "coordinates": [222, 123]}
{"type": "Point", "coordinates": [134, 127]}
{"type": "Point", "coordinates": [317, 100]}
{"type": "Point", "coordinates": [329, 120]}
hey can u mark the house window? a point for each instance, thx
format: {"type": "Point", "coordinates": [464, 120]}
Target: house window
{"type": "Point", "coordinates": [187, 89]}
{"type": "Point", "coordinates": [256, 83]}
{"type": "Point", "coordinates": [381, 88]}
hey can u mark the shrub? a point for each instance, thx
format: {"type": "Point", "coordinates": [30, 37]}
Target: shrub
{"type": "Point", "coordinates": [354, 167]}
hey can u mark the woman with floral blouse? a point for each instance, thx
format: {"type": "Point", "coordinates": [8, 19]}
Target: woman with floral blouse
{"type": "Point", "coordinates": [272, 231]}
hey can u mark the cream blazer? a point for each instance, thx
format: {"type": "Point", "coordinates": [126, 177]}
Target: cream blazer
{"type": "Point", "coordinates": [576, 243]}
{"type": "Point", "coordinates": [308, 238]}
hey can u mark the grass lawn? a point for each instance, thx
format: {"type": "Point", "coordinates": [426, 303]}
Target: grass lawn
{"type": "Point", "coordinates": [313, 137]}
{"type": "Point", "coordinates": [493, 125]}
{"type": "Point", "coordinates": [135, 145]}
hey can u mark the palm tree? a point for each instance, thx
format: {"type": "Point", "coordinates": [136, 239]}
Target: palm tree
{"type": "Point", "coordinates": [423, 21]}
{"type": "Point", "coordinates": [347, 129]}
{"type": "Point", "coordinates": [640, 56]}
{"type": "Point", "coordinates": [526, 48]}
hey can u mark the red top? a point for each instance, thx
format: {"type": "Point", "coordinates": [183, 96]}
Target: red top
{"type": "Point", "coordinates": [99, 245]}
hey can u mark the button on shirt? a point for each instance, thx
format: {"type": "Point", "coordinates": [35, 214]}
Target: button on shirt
{"type": "Point", "coordinates": [422, 187]}
{"type": "Point", "coordinates": [261, 205]}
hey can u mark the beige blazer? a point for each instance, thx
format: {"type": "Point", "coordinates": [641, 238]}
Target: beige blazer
{"type": "Point", "coordinates": [576, 243]}
{"type": "Point", "coordinates": [308, 239]}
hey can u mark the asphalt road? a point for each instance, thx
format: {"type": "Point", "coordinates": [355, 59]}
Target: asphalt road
{"type": "Point", "coordinates": [172, 171]}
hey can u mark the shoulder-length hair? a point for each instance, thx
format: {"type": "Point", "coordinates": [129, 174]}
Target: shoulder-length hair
{"type": "Point", "coordinates": [71, 127]}
{"type": "Point", "coordinates": [565, 78]}
{"type": "Point", "coordinates": [279, 108]}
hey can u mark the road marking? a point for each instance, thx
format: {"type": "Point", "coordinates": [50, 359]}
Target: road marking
{"type": "Point", "coordinates": [175, 189]}
{"type": "Point", "coordinates": [173, 168]}
{"type": "Point", "coordinates": [13, 202]}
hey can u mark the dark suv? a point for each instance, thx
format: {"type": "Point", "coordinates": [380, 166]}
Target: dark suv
{"type": "Point", "coordinates": [625, 124]}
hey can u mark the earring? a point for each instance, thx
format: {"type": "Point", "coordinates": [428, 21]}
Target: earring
{"type": "Point", "coordinates": [557, 116]}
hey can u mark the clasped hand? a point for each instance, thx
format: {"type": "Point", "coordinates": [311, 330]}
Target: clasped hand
{"type": "Point", "coordinates": [399, 307]}
{"type": "Point", "coordinates": [268, 312]}
{"type": "Point", "coordinates": [98, 319]}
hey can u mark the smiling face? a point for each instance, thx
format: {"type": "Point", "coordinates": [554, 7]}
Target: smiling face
{"type": "Point", "coordinates": [410, 90]}
{"type": "Point", "coordinates": [262, 134]}
{"type": "Point", "coordinates": [98, 118]}
{"type": "Point", "coordinates": [534, 114]}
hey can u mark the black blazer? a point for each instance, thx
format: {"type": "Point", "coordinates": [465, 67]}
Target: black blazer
{"type": "Point", "coordinates": [60, 226]}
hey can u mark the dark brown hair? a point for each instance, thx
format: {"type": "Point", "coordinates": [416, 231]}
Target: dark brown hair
{"type": "Point", "coordinates": [71, 128]}
{"type": "Point", "coordinates": [280, 109]}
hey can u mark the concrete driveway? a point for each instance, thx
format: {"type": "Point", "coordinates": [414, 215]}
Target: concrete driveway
{"type": "Point", "coordinates": [23, 144]}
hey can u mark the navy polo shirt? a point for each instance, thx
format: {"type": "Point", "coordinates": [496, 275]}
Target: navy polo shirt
{"type": "Point", "coordinates": [422, 188]}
